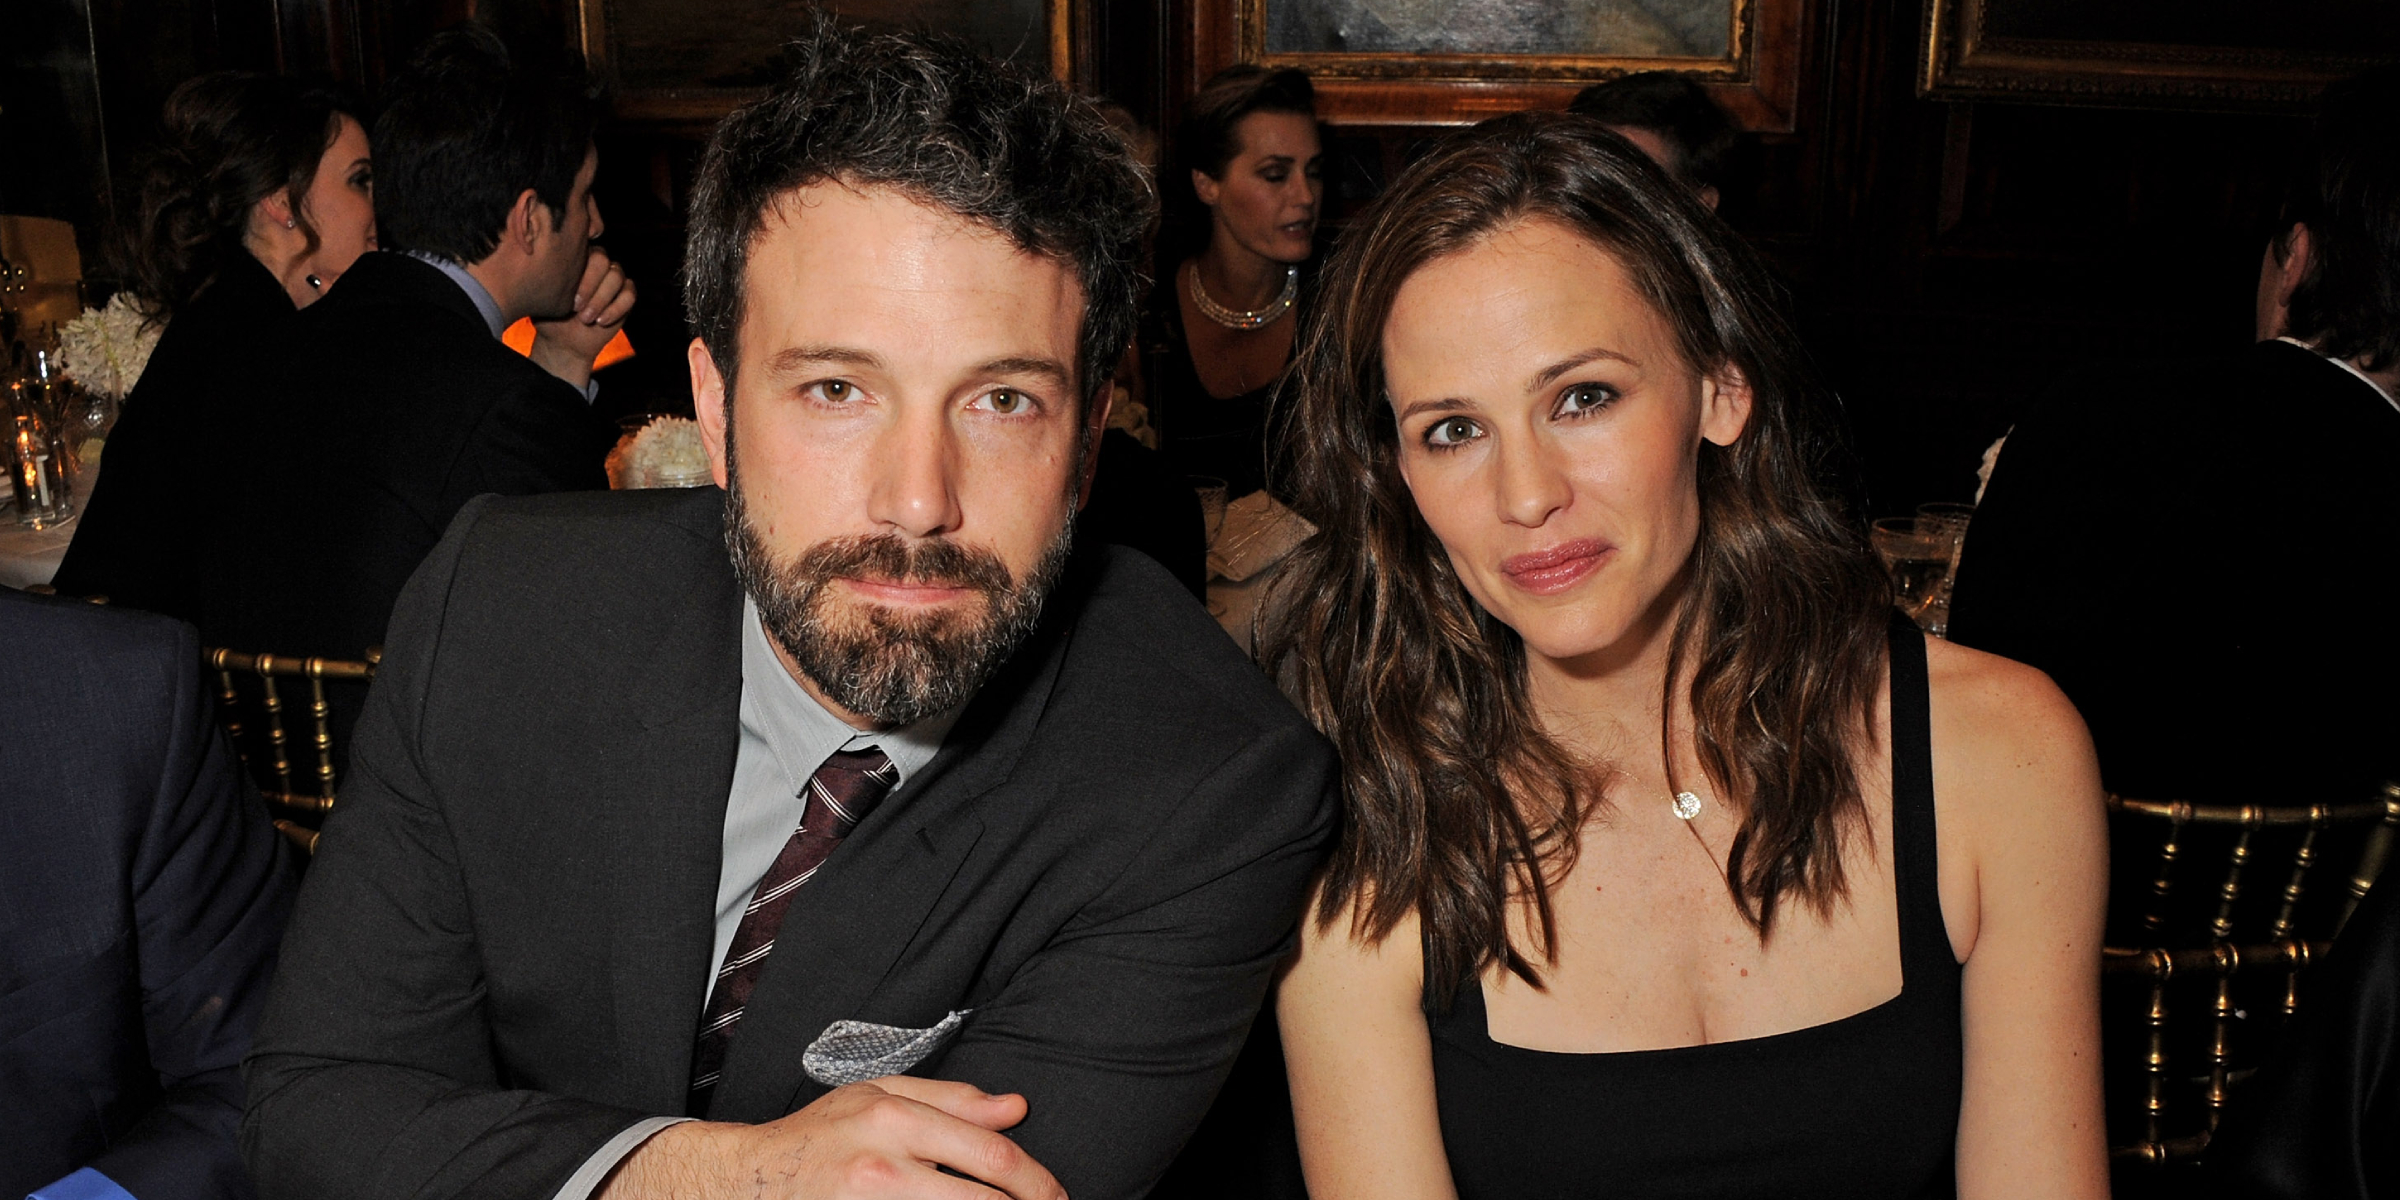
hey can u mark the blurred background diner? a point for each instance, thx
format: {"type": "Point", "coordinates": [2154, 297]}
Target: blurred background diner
{"type": "Point", "coordinates": [2107, 299]}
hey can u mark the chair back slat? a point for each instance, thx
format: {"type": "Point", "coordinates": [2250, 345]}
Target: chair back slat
{"type": "Point", "coordinates": [2248, 946]}
{"type": "Point", "coordinates": [2304, 860]}
{"type": "Point", "coordinates": [251, 708]}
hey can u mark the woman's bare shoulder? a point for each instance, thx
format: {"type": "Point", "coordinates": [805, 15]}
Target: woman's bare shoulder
{"type": "Point", "coordinates": [1999, 712]}
{"type": "Point", "coordinates": [2012, 760]}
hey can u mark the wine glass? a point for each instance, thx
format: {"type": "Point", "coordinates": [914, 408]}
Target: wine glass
{"type": "Point", "coordinates": [1918, 560]}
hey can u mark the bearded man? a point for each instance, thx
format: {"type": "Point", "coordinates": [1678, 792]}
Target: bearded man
{"type": "Point", "coordinates": [840, 834]}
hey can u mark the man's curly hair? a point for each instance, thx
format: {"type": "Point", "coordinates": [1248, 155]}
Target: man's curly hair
{"type": "Point", "coordinates": [950, 126]}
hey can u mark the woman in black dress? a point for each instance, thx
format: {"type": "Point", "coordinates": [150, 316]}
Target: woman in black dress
{"type": "Point", "coordinates": [1219, 330]}
{"type": "Point", "coordinates": [1674, 864]}
{"type": "Point", "coordinates": [259, 197]}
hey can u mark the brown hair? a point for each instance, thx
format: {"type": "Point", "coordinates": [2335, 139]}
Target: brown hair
{"type": "Point", "coordinates": [230, 139]}
{"type": "Point", "coordinates": [1455, 800]}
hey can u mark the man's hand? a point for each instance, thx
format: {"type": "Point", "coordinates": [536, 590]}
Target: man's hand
{"type": "Point", "coordinates": [882, 1138]}
{"type": "Point", "coordinates": [603, 297]}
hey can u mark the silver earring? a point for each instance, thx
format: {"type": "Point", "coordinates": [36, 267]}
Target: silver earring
{"type": "Point", "coordinates": [291, 223]}
{"type": "Point", "coordinates": [316, 283]}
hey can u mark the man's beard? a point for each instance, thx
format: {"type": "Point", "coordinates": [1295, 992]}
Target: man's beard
{"type": "Point", "coordinates": [893, 668]}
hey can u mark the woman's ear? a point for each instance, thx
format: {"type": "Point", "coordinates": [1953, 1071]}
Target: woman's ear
{"type": "Point", "coordinates": [1724, 405]}
{"type": "Point", "coordinates": [275, 211]}
{"type": "Point", "coordinates": [1207, 188]}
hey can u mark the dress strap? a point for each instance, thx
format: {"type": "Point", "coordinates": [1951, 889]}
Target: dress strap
{"type": "Point", "coordinates": [1925, 953]}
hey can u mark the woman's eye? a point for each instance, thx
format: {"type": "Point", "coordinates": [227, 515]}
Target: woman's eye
{"type": "Point", "coordinates": [363, 181]}
{"type": "Point", "coordinates": [1450, 432]}
{"type": "Point", "coordinates": [1275, 176]}
{"type": "Point", "coordinates": [1584, 398]}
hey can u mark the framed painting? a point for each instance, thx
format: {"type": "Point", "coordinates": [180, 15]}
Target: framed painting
{"type": "Point", "coordinates": [1444, 62]}
{"type": "Point", "coordinates": [695, 60]}
{"type": "Point", "coordinates": [2152, 53]}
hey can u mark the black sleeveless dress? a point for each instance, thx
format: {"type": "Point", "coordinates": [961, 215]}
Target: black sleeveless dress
{"type": "Point", "coordinates": [1866, 1106]}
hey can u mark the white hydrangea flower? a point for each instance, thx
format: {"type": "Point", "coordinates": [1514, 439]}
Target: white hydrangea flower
{"type": "Point", "coordinates": [105, 349]}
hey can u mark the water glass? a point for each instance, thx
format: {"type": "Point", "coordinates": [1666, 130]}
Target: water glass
{"type": "Point", "coordinates": [38, 471]}
{"type": "Point", "coordinates": [1919, 560]}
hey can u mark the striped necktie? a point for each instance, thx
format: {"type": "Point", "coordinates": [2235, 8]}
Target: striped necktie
{"type": "Point", "coordinates": [840, 795]}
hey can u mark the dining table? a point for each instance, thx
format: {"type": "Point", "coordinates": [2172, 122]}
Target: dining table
{"type": "Point", "coordinates": [29, 557]}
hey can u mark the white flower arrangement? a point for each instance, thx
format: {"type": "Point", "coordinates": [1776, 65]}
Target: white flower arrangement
{"type": "Point", "coordinates": [665, 453]}
{"type": "Point", "coordinates": [105, 349]}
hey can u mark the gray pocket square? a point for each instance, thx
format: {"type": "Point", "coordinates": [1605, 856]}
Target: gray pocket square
{"type": "Point", "coordinates": [856, 1051]}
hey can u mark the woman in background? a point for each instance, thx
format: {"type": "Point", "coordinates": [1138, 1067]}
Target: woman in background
{"type": "Point", "coordinates": [259, 197]}
{"type": "Point", "coordinates": [1673, 862]}
{"type": "Point", "coordinates": [1220, 328]}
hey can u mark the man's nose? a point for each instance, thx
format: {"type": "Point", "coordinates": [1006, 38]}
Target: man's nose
{"type": "Point", "coordinates": [598, 226]}
{"type": "Point", "coordinates": [913, 488]}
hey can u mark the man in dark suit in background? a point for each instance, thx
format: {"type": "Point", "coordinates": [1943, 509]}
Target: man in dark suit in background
{"type": "Point", "coordinates": [400, 403]}
{"type": "Point", "coordinates": [142, 892]}
{"type": "Point", "coordinates": [802, 839]}
{"type": "Point", "coordinates": [2195, 551]}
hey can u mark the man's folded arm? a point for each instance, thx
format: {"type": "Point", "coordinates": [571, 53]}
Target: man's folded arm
{"type": "Point", "coordinates": [1120, 1032]}
{"type": "Point", "coordinates": [372, 1073]}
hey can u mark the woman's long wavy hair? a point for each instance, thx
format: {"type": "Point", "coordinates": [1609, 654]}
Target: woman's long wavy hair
{"type": "Point", "coordinates": [228, 140]}
{"type": "Point", "coordinates": [1456, 802]}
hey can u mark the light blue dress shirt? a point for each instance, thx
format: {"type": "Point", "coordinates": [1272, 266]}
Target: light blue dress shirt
{"type": "Point", "coordinates": [490, 308]}
{"type": "Point", "coordinates": [86, 1184]}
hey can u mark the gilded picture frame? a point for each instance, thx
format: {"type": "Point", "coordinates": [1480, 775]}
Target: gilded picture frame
{"type": "Point", "coordinates": [2039, 51]}
{"type": "Point", "coordinates": [1755, 79]}
{"type": "Point", "coordinates": [639, 93]}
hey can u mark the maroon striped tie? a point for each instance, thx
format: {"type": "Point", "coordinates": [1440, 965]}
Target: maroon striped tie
{"type": "Point", "coordinates": [840, 795]}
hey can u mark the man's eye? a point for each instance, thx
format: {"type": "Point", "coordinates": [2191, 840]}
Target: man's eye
{"type": "Point", "coordinates": [1452, 431]}
{"type": "Point", "coordinates": [835, 390]}
{"type": "Point", "coordinates": [1007, 401]}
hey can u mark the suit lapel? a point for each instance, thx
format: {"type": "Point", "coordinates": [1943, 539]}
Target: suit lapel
{"type": "Point", "coordinates": [664, 801]}
{"type": "Point", "coordinates": [845, 929]}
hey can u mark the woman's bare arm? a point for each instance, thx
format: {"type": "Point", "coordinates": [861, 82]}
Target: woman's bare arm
{"type": "Point", "coordinates": [1361, 1066]}
{"type": "Point", "coordinates": [2018, 788]}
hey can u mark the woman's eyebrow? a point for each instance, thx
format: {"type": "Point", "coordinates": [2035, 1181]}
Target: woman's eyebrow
{"type": "Point", "coordinates": [1549, 375]}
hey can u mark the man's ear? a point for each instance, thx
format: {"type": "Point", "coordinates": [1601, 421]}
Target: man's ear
{"type": "Point", "coordinates": [1208, 189]}
{"type": "Point", "coordinates": [1725, 401]}
{"type": "Point", "coordinates": [1095, 427]}
{"type": "Point", "coordinates": [528, 221]}
{"type": "Point", "coordinates": [708, 405]}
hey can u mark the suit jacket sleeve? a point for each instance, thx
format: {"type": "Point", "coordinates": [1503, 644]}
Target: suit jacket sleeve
{"type": "Point", "coordinates": [372, 1074]}
{"type": "Point", "coordinates": [212, 887]}
{"type": "Point", "coordinates": [1121, 1030]}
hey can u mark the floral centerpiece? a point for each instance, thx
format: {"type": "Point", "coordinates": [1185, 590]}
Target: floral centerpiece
{"type": "Point", "coordinates": [105, 349]}
{"type": "Point", "coordinates": [667, 452]}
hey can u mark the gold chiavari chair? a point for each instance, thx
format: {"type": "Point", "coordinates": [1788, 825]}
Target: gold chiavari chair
{"type": "Point", "coordinates": [253, 713]}
{"type": "Point", "coordinates": [2219, 950]}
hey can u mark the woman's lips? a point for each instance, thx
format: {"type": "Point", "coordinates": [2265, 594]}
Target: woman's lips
{"type": "Point", "coordinates": [1558, 568]}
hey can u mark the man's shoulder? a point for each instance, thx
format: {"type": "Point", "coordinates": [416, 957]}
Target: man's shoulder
{"type": "Point", "coordinates": [586, 541]}
{"type": "Point", "coordinates": [94, 643]}
{"type": "Point", "coordinates": [93, 685]}
{"type": "Point", "coordinates": [1144, 647]}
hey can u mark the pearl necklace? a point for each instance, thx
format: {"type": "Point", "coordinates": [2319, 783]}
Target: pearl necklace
{"type": "Point", "coordinates": [1234, 318]}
